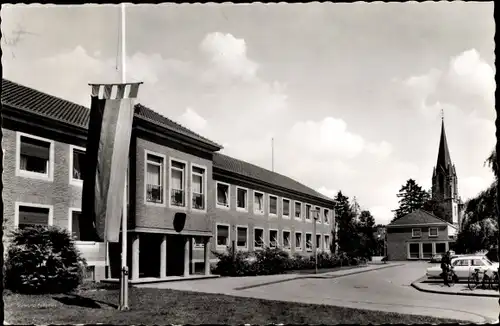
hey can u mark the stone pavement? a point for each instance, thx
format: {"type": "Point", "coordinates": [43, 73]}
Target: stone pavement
{"type": "Point", "coordinates": [458, 289]}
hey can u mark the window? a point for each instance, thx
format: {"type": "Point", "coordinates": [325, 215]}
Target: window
{"type": "Point", "coordinates": [77, 164]}
{"type": "Point", "coordinates": [318, 215]}
{"type": "Point", "coordinates": [258, 199]}
{"type": "Point", "coordinates": [222, 195]}
{"type": "Point", "coordinates": [318, 241]}
{"type": "Point", "coordinates": [327, 242]}
{"type": "Point", "coordinates": [426, 250]}
{"type": "Point", "coordinates": [414, 250]}
{"type": "Point", "coordinates": [258, 238]}
{"type": "Point", "coordinates": [286, 240]}
{"type": "Point", "coordinates": [273, 238]}
{"type": "Point", "coordinates": [461, 262]}
{"type": "Point", "coordinates": [476, 262]}
{"type": "Point", "coordinates": [433, 232]}
{"type": "Point", "coordinates": [33, 215]}
{"type": "Point", "coordinates": [35, 156]}
{"type": "Point", "coordinates": [177, 183]}
{"type": "Point", "coordinates": [75, 224]}
{"type": "Point", "coordinates": [326, 212]}
{"type": "Point", "coordinates": [154, 178]}
{"type": "Point", "coordinates": [308, 212]}
{"type": "Point", "coordinates": [222, 235]}
{"type": "Point", "coordinates": [298, 241]}
{"type": "Point", "coordinates": [198, 186]}
{"type": "Point", "coordinates": [309, 241]}
{"type": "Point", "coordinates": [416, 233]}
{"type": "Point", "coordinates": [440, 248]}
{"type": "Point", "coordinates": [286, 208]}
{"type": "Point", "coordinates": [241, 199]}
{"type": "Point", "coordinates": [298, 210]}
{"type": "Point", "coordinates": [273, 205]}
{"type": "Point", "coordinates": [198, 242]}
{"type": "Point", "coordinates": [242, 236]}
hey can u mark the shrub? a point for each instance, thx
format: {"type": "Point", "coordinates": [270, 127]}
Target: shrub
{"type": "Point", "coordinates": [43, 260]}
{"type": "Point", "coordinates": [238, 265]}
{"type": "Point", "coordinates": [271, 261]}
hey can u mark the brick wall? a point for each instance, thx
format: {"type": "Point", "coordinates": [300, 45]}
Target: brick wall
{"type": "Point", "coordinates": [398, 239]}
{"type": "Point", "coordinates": [162, 216]}
{"type": "Point", "coordinates": [58, 193]}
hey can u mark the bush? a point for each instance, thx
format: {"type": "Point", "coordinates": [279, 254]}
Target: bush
{"type": "Point", "coordinates": [43, 260]}
{"type": "Point", "coordinates": [271, 261]}
{"type": "Point", "coordinates": [276, 261]}
{"type": "Point", "coordinates": [238, 265]}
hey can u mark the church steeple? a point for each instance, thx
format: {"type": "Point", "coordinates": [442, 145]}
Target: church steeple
{"type": "Point", "coordinates": [445, 182]}
{"type": "Point", "coordinates": [443, 160]}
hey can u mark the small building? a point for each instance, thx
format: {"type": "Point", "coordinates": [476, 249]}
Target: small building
{"type": "Point", "coordinates": [419, 235]}
{"type": "Point", "coordinates": [185, 199]}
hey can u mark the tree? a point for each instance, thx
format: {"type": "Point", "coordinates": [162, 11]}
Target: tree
{"type": "Point", "coordinates": [412, 197]}
{"type": "Point", "coordinates": [479, 228]}
{"type": "Point", "coordinates": [433, 206]}
{"type": "Point", "coordinates": [347, 236]}
{"type": "Point", "coordinates": [366, 230]}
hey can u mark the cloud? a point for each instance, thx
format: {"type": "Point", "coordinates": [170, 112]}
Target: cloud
{"type": "Point", "coordinates": [471, 186]}
{"type": "Point", "coordinates": [328, 136]}
{"type": "Point", "coordinates": [468, 83]}
{"type": "Point", "coordinates": [381, 150]}
{"type": "Point", "coordinates": [193, 120]}
{"type": "Point", "coordinates": [228, 55]}
{"type": "Point", "coordinates": [331, 193]}
{"type": "Point", "coordinates": [382, 214]}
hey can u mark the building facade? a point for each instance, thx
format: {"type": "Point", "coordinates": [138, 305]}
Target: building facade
{"type": "Point", "coordinates": [185, 200]}
{"type": "Point", "coordinates": [421, 234]}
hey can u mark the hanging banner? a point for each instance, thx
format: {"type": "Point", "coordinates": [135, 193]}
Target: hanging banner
{"type": "Point", "coordinates": [107, 155]}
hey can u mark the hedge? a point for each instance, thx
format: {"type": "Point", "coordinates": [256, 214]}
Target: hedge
{"type": "Point", "coordinates": [270, 261]}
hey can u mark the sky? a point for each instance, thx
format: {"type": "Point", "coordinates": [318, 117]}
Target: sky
{"type": "Point", "coordinates": [352, 94]}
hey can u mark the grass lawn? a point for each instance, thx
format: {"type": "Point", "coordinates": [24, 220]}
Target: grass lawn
{"type": "Point", "coordinates": [161, 306]}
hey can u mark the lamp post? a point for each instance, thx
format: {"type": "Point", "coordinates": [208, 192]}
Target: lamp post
{"type": "Point", "coordinates": [315, 213]}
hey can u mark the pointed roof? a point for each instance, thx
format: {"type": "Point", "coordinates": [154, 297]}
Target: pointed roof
{"type": "Point", "coordinates": [444, 159]}
{"type": "Point", "coordinates": [419, 217]}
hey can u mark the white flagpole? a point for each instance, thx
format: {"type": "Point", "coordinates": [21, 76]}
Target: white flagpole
{"type": "Point", "coordinates": [124, 276]}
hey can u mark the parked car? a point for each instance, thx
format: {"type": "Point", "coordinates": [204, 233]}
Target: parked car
{"type": "Point", "coordinates": [464, 265]}
{"type": "Point", "coordinates": [436, 258]}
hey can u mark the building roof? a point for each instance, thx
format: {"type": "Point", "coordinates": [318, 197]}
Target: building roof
{"type": "Point", "coordinates": [443, 160]}
{"type": "Point", "coordinates": [419, 216]}
{"type": "Point", "coordinates": [231, 164]}
{"type": "Point", "coordinates": [30, 100]}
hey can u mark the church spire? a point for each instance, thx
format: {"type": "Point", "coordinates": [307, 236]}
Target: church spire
{"type": "Point", "coordinates": [444, 159]}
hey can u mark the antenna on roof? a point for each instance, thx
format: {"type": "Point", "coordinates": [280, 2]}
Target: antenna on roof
{"type": "Point", "coordinates": [272, 154]}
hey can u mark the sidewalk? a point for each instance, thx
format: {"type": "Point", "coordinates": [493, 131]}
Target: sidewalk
{"type": "Point", "coordinates": [458, 289]}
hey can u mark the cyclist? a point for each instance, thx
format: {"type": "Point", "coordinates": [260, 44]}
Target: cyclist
{"type": "Point", "coordinates": [445, 266]}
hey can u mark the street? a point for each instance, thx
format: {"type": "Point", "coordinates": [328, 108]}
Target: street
{"type": "Point", "coordinates": [386, 289]}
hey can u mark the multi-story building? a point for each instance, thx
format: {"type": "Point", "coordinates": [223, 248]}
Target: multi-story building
{"type": "Point", "coordinates": [185, 200]}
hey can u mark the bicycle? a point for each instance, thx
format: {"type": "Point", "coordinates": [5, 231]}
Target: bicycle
{"type": "Point", "coordinates": [493, 284]}
{"type": "Point", "coordinates": [474, 281]}
{"type": "Point", "coordinates": [452, 277]}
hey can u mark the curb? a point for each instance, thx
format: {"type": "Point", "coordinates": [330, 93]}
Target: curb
{"type": "Point", "coordinates": [315, 276]}
{"type": "Point", "coordinates": [415, 285]}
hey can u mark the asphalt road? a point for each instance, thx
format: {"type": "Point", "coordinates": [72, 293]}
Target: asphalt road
{"type": "Point", "coordinates": [386, 289]}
